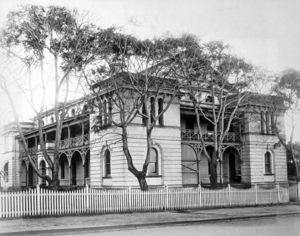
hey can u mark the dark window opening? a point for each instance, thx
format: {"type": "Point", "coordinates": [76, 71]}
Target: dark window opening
{"type": "Point", "coordinates": [62, 170]}
{"type": "Point", "coordinates": [6, 172]}
{"type": "Point", "coordinates": [268, 166]}
{"type": "Point", "coordinates": [160, 109]}
{"type": "Point", "coordinates": [152, 108]}
{"type": "Point", "coordinates": [262, 122]}
{"type": "Point", "coordinates": [107, 163]}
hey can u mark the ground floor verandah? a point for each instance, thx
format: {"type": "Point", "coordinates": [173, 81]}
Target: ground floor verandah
{"type": "Point", "coordinates": [195, 166]}
{"type": "Point", "coordinates": [74, 169]}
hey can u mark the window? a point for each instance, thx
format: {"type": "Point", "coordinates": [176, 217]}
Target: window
{"type": "Point", "coordinates": [268, 163]}
{"type": "Point", "coordinates": [109, 110]}
{"type": "Point", "coordinates": [273, 127]}
{"type": "Point", "coordinates": [73, 112]}
{"type": "Point", "coordinates": [190, 120]}
{"type": "Point", "coordinates": [267, 123]}
{"type": "Point", "coordinates": [6, 172]}
{"type": "Point", "coordinates": [160, 109]}
{"type": "Point", "coordinates": [52, 120]}
{"type": "Point", "coordinates": [152, 108]}
{"type": "Point", "coordinates": [262, 122]}
{"type": "Point", "coordinates": [105, 112]}
{"type": "Point", "coordinates": [210, 127]}
{"type": "Point", "coordinates": [144, 113]}
{"type": "Point", "coordinates": [107, 163]}
{"type": "Point", "coordinates": [153, 163]}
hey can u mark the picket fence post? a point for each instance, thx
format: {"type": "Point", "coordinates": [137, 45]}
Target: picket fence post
{"type": "Point", "coordinates": [167, 198]}
{"type": "Point", "coordinates": [38, 201]}
{"type": "Point", "coordinates": [200, 191]}
{"type": "Point", "coordinates": [229, 192]}
{"type": "Point", "coordinates": [129, 198]}
{"type": "Point", "coordinates": [87, 198]}
{"type": "Point", "coordinates": [278, 193]}
{"type": "Point", "coordinates": [256, 200]}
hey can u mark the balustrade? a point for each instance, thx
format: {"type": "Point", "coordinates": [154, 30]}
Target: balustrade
{"type": "Point", "coordinates": [189, 134]}
{"type": "Point", "coordinates": [65, 143]}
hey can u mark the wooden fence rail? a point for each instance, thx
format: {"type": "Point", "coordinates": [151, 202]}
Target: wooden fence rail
{"type": "Point", "coordinates": [45, 202]}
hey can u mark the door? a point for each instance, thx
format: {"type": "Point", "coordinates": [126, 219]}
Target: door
{"type": "Point", "coordinates": [232, 171]}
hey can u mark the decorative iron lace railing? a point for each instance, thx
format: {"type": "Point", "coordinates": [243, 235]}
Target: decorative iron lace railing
{"type": "Point", "coordinates": [31, 151]}
{"type": "Point", "coordinates": [65, 143]}
{"type": "Point", "coordinates": [74, 142]}
{"type": "Point", "coordinates": [189, 134]}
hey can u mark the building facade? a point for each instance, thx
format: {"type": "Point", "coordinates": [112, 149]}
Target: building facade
{"type": "Point", "coordinates": [250, 154]}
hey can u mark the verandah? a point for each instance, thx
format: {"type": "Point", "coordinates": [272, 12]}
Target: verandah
{"type": "Point", "coordinates": [44, 202]}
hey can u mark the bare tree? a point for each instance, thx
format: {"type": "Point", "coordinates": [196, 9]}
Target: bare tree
{"type": "Point", "coordinates": [36, 36]}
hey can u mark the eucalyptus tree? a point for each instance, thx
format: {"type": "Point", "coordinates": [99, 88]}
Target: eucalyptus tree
{"type": "Point", "coordinates": [56, 37]}
{"type": "Point", "coordinates": [286, 87]}
{"type": "Point", "coordinates": [139, 74]}
{"type": "Point", "coordinates": [218, 85]}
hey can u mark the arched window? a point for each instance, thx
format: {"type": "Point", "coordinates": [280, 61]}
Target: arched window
{"type": "Point", "coordinates": [107, 164]}
{"type": "Point", "coordinates": [6, 172]}
{"type": "Point", "coordinates": [268, 163]}
{"type": "Point", "coordinates": [153, 163]}
{"type": "Point", "coordinates": [73, 112]}
{"type": "Point", "coordinates": [160, 109]}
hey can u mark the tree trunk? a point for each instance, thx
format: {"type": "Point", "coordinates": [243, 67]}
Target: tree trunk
{"type": "Point", "coordinates": [142, 181]}
{"type": "Point", "coordinates": [54, 185]}
{"type": "Point", "coordinates": [213, 173]}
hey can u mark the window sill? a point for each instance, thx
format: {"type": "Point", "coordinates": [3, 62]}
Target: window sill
{"type": "Point", "coordinates": [153, 176]}
{"type": "Point", "coordinates": [107, 177]}
{"type": "Point", "coordinates": [269, 174]}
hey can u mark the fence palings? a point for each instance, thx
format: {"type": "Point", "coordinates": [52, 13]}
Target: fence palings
{"type": "Point", "coordinates": [44, 202]}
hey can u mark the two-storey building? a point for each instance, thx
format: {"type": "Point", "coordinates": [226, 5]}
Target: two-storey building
{"type": "Point", "coordinates": [250, 154]}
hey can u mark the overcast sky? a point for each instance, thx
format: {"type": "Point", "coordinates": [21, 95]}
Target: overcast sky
{"type": "Point", "coordinates": [265, 32]}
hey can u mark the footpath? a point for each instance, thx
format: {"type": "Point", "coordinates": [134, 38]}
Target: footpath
{"type": "Point", "coordinates": [78, 224]}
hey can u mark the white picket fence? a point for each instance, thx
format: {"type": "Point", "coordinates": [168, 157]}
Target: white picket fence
{"type": "Point", "coordinates": [43, 202]}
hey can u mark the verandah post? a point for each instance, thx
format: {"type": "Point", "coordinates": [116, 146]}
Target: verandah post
{"type": "Point", "coordinates": [38, 201]}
